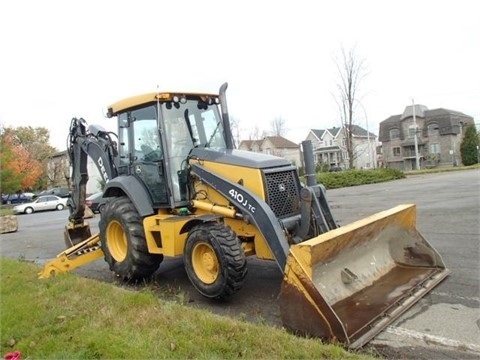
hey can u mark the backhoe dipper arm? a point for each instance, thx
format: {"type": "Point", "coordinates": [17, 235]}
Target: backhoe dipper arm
{"type": "Point", "coordinates": [97, 143]}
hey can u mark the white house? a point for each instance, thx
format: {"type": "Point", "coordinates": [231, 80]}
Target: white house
{"type": "Point", "coordinates": [329, 147]}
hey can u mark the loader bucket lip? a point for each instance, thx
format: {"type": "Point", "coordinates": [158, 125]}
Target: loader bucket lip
{"type": "Point", "coordinates": [348, 284]}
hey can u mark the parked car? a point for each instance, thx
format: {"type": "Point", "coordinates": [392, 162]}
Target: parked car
{"type": "Point", "coordinates": [335, 169]}
{"type": "Point", "coordinates": [41, 203]}
{"type": "Point", "coordinates": [62, 192]}
{"type": "Point", "coordinates": [96, 202]}
{"type": "Point", "coordinates": [17, 198]}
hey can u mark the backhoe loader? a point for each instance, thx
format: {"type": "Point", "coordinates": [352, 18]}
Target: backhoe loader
{"type": "Point", "coordinates": [176, 186]}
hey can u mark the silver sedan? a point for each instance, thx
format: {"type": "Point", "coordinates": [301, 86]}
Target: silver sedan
{"type": "Point", "coordinates": [42, 203]}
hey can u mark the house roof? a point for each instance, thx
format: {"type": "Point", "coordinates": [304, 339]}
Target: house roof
{"type": "Point", "coordinates": [248, 143]}
{"type": "Point", "coordinates": [320, 133]}
{"type": "Point", "coordinates": [278, 142]}
{"type": "Point", "coordinates": [361, 132]}
{"type": "Point", "coordinates": [357, 131]}
{"type": "Point", "coordinates": [448, 121]}
{"type": "Point", "coordinates": [60, 153]}
{"type": "Point", "coordinates": [419, 111]}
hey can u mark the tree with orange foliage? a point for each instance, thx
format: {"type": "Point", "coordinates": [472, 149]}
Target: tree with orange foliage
{"type": "Point", "coordinates": [9, 180]}
{"type": "Point", "coordinates": [20, 168]}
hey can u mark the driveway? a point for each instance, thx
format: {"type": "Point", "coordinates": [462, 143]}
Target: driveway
{"type": "Point", "coordinates": [443, 325]}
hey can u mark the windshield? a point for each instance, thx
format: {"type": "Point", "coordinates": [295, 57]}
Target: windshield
{"type": "Point", "coordinates": [188, 124]}
{"type": "Point", "coordinates": [194, 123]}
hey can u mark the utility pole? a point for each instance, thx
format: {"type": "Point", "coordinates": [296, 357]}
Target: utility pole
{"type": "Point", "coordinates": [372, 159]}
{"type": "Point", "coordinates": [415, 141]}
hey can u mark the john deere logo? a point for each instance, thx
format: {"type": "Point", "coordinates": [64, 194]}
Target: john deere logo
{"type": "Point", "coordinates": [281, 187]}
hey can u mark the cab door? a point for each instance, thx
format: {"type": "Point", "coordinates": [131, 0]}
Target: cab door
{"type": "Point", "coordinates": [146, 153]}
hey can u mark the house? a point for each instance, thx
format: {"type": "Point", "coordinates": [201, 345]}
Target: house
{"type": "Point", "coordinates": [329, 147]}
{"type": "Point", "coordinates": [274, 145]}
{"type": "Point", "coordinates": [439, 133]}
{"type": "Point", "coordinates": [59, 173]}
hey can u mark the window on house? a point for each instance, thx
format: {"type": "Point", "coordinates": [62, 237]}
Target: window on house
{"type": "Point", "coordinates": [330, 142]}
{"type": "Point", "coordinates": [435, 148]}
{"type": "Point", "coordinates": [268, 151]}
{"type": "Point", "coordinates": [344, 142]}
{"type": "Point", "coordinates": [396, 151]}
{"type": "Point", "coordinates": [433, 129]}
{"type": "Point", "coordinates": [394, 134]}
{"type": "Point", "coordinates": [411, 131]}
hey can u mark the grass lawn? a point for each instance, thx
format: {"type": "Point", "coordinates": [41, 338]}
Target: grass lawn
{"type": "Point", "coordinates": [69, 317]}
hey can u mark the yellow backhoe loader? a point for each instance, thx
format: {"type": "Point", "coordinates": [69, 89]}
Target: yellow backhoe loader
{"type": "Point", "coordinates": [177, 186]}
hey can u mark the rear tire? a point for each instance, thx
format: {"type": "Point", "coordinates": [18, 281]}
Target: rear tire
{"type": "Point", "coordinates": [122, 239]}
{"type": "Point", "coordinates": [214, 260]}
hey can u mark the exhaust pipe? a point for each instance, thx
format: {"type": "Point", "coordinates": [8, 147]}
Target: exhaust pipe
{"type": "Point", "coordinates": [225, 116]}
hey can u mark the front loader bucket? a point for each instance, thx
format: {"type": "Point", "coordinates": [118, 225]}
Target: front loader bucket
{"type": "Point", "coordinates": [348, 284]}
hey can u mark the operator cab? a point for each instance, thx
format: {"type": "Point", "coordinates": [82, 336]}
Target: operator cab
{"type": "Point", "coordinates": [157, 133]}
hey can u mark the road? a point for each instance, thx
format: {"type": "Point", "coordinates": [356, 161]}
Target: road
{"type": "Point", "coordinates": [444, 324]}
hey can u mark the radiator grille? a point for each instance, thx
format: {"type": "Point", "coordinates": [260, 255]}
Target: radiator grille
{"type": "Point", "coordinates": [283, 192]}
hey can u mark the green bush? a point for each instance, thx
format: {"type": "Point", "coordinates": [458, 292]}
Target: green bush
{"type": "Point", "coordinates": [335, 180]}
{"type": "Point", "coordinates": [468, 148]}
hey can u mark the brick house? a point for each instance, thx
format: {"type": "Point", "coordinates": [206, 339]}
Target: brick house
{"type": "Point", "coordinates": [329, 147]}
{"type": "Point", "coordinates": [439, 136]}
{"type": "Point", "coordinates": [274, 145]}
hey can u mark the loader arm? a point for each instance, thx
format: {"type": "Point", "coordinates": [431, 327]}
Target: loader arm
{"type": "Point", "coordinates": [97, 143]}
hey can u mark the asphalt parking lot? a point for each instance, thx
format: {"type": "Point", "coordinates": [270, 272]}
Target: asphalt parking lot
{"type": "Point", "coordinates": [444, 324]}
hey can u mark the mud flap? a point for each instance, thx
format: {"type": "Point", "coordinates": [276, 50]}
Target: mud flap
{"type": "Point", "coordinates": [348, 284]}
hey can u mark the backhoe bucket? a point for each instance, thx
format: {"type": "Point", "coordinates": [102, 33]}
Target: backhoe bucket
{"type": "Point", "coordinates": [75, 234]}
{"type": "Point", "coordinates": [348, 284]}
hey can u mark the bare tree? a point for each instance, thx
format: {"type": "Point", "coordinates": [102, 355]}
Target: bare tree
{"type": "Point", "coordinates": [235, 129]}
{"type": "Point", "coordinates": [256, 134]}
{"type": "Point", "coordinates": [278, 126]}
{"type": "Point", "coordinates": [351, 71]}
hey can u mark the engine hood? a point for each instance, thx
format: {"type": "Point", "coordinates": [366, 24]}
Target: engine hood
{"type": "Point", "coordinates": [240, 158]}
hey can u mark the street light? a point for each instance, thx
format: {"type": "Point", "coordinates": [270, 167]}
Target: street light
{"type": "Point", "coordinates": [417, 159]}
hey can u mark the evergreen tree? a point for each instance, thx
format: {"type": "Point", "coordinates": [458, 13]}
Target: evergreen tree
{"type": "Point", "coordinates": [468, 148]}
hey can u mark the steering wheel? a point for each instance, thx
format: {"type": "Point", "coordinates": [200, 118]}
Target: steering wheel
{"type": "Point", "coordinates": [149, 154]}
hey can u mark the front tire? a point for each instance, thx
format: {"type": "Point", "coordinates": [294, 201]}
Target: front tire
{"type": "Point", "coordinates": [28, 210]}
{"type": "Point", "coordinates": [214, 260]}
{"type": "Point", "coordinates": [122, 239]}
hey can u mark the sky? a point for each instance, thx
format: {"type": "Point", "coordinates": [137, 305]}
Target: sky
{"type": "Point", "coordinates": [65, 59]}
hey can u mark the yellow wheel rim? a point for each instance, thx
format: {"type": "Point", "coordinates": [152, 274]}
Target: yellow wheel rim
{"type": "Point", "coordinates": [117, 241]}
{"type": "Point", "coordinates": [205, 263]}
